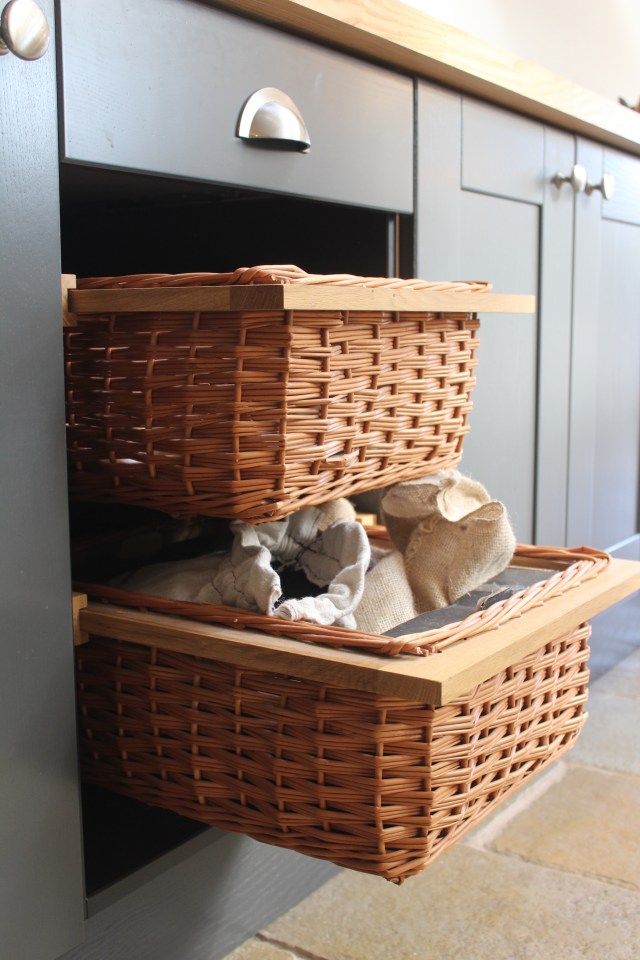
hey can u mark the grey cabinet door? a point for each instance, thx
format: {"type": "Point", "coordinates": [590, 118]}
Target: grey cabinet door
{"type": "Point", "coordinates": [41, 890]}
{"type": "Point", "coordinates": [486, 210]}
{"type": "Point", "coordinates": [605, 394]}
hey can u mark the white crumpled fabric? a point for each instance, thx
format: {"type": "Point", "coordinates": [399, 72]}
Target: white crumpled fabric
{"type": "Point", "coordinates": [336, 556]}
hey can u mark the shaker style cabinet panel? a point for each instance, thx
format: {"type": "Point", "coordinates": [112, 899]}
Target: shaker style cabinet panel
{"type": "Point", "coordinates": [486, 211]}
{"type": "Point", "coordinates": [41, 887]}
{"type": "Point", "coordinates": [605, 423]}
{"type": "Point", "coordinates": [158, 86]}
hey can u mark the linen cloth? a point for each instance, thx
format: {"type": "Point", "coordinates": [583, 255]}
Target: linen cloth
{"type": "Point", "coordinates": [326, 543]}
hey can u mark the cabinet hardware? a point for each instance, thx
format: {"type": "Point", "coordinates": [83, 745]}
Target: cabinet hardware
{"type": "Point", "coordinates": [577, 179]}
{"type": "Point", "coordinates": [606, 186]}
{"type": "Point", "coordinates": [24, 30]}
{"type": "Point", "coordinates": [271, 118]}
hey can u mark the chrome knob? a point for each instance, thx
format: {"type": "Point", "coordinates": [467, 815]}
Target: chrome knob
{"type": "Point", "coordinates": [577, 179]}
{"type": "Point", "coordinates": [606, 186]}
{"type": "Point", "coordinates": [24, 30]}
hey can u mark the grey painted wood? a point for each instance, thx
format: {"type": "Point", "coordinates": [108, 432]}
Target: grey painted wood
{"type": "Point", "coordinates": [438, 224]}
{"type": "Point", "coordinates": [158, 86]}
{"type": "Point", "coordinates": [501, 240]}
{"type": "Point", "coordinates": [469, 233]}
{"type": "Point", "coordinates": [617, 426]}
{"type": "Point", "coordinates": [586, 278]}
{"type": "Point", "coordinates": [625, 203]}
{"type": "Point", "coordinates": [556, 255]}
{"type": "Point", "coordinates": [502, 153]}
{"type": "Point", "coordinates": [204, 905]}
{"type": "Point", "coordinates": [41, 895]}
{"type": "Point", "coordinates": [604, 471]}
{"type": "Point", "coordinates": [605, 392]}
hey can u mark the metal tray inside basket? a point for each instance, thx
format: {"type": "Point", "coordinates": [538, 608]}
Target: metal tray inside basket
{"type": "Point", "coordinates": [507, 583]}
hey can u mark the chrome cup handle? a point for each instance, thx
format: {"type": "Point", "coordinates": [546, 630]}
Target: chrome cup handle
{"type": "Point", "coordinates": [270, 118]}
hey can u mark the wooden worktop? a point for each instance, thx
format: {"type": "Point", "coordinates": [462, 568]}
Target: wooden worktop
{"type": "Point", "coordinates": [390, 32]}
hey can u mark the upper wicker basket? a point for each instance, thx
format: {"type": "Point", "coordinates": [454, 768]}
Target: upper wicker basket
{"type": "Point", "coordinates": [254, 393]}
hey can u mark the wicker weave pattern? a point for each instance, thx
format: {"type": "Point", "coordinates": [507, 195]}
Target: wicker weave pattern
{"type": "Point", "coordinates": [254, 415]}
{"type": "Point", "coordinates": [279, 274]}
{"type": "Point", "coordinates": [372, 783]}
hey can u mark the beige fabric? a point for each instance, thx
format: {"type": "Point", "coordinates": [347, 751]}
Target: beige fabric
{"type": "Point", "coordinates": [325, 542]}
{"type": "Point", "coordinates": [452, 535]}
{"type": "Point", "coordinates": [336, 511]}
{"type": "Point", "coordinates": [387, 599]}
{"type": "Point", "coordinates": [336, 558]}
{"type": "Point", "coordinates": [447, 494]}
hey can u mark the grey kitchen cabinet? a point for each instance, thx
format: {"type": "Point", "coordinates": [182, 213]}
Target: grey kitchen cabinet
{"type": "Point", "coordinates": [486, 209]}
{"type": "Point", "coordinates": [158, 86]}
{"type": "Point", "coordinates": [155, 87]}
{"type": "Point", "coordinates": [604, 463]}
{"type": "Point", "coordinates": [41, 877]}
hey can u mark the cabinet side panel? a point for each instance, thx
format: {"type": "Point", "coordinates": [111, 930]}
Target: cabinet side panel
{"type": "Point", "coordinates": [41, 895]}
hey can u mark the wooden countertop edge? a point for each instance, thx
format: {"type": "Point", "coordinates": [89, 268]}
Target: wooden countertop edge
{"type": "Point", "coordinates": [399, 36]}
{"type": "Point", "coordinates": [435, 679]}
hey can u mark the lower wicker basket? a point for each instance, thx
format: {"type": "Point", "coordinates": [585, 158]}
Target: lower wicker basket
{"type": "Point", "coordinates": [368, 780]}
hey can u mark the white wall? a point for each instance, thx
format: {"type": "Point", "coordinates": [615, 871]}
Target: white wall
{"type": "Point", "coordinates": [594, 42]}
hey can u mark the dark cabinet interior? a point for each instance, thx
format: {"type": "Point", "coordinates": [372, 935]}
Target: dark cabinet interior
{"type": "Point", "coordinates": [115, 223]}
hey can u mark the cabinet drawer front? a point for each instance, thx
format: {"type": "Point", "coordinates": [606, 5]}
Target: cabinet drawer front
{"type": "Point", "coordinates": [158, 86]}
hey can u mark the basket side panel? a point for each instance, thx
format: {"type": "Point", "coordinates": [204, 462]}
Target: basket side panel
{"type": "Point", "coordinates": [181, 412]}
{"type": "Point", "coordinates": [511, 726]}
{"type": "Point", "coordinates": [374, 398]}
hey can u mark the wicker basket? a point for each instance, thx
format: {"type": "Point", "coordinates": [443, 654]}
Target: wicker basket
{"type": "Point", "coordinates": [367, 780]}
{"type": "Point", "coordinates": [198, 394]}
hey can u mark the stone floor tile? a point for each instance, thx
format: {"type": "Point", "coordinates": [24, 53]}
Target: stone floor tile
{"type": "Point", "coordinates": [588, 823]}
{"type": "Point", "coordinates": [255, 949]}
{"type": "Point", "coordinates": [475, 904]}
{"type": "Point", "coordinates": [611, 736]}
{"type": "Point", "coordinates": [623, 680]}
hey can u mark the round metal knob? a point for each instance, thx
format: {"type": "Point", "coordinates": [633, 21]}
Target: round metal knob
{"type": "Point", "coordinates": [577, 178]}
{"type": "Point", "coordinates": [24, 30]}
{"type": "Point", "coordinates": [606, 186]}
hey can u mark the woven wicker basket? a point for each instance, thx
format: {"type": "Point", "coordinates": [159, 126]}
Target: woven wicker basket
{"type": "Point", "coordinates": [364, 779]}
{"type": "Point", "coordinates": [183, 406]}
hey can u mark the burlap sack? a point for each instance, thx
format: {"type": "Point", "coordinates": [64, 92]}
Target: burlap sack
{"type": "Point", "coordinates": [447, 493]}
{"type": "Point", "coordinates": [387, 599]}
{"type": "Point", "coordinates": [453, 536]}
